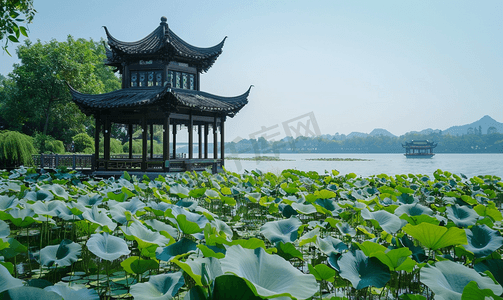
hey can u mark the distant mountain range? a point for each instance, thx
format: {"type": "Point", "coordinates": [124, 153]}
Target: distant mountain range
{"type": "Point", "coordinates": [483, 124]}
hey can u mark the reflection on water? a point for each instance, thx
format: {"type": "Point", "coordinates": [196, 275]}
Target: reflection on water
{"type": "Point", "coordinates": [391, 164]}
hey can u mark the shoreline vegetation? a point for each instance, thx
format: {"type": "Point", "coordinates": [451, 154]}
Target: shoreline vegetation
{"type": "Point", "coordinates": [259, 158]}
{"type": "Point", "coordinates": [337, 159]}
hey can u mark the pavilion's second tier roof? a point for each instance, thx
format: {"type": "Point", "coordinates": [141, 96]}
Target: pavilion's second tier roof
{"type": "Point", "coordinates": [164, 43]}
{"type": "Point", "coordinates": [162, 96]}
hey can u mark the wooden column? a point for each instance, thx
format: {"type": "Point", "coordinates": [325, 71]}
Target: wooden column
{"type": "Point", "coordinates": [165, 140]}
{"type": "Point", "coordinates": [106, 138]}
{"type": "Point", "coordinates": [191, 136]}
{"type": "Point", "coordinates": [130, 135]}
{"type": "Point", "coordinates": [144, 143]}
{"type": "Point", "coordinates": [222, 139]}
{"type": "Point", "coordinates": [97, 140]}
{"type": "Point", "coordinates": [200, 147]}
{"type": "Point", "coordinates": [151, 141]}
{"type": "Point", "coordinates": [174, 140]}
{"type": "Point", "coordinates": [215, 139]}
{"type": "Point", "coordinates": [206, 127]}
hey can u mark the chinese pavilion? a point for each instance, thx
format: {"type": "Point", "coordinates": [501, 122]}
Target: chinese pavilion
{"type": "Point", "coordinates": [160, 86]}
{"type": "Point", "coordinates": [419, 149]}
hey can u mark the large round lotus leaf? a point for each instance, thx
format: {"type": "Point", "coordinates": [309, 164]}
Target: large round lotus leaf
{"type": "Point", "coordinates": [331, 245]}
{"type": "Point", "coordinates": [462, 216]}
{"type": "Point", "coordinates": [90, 199]}
{"type": "Point", "coordinates": [99, 217]}
{"type": "Point", "coordinates": [413, 210]}
{"type": "Point", "coordinates": [268, 275]}
{"type": "Point", "coordinates": [447, 279]}
{"type": "Point", "coordinates": [161, 226]}
{"type": "Point", "coordinates": [159, 287]}
{"type": "Point", "coordinates": [40, 195]}
{"type": "Point", "coordinates": [435, 237]}
{"type": "Point", "coordinates": [495, 266]}
{"type": "Point", "coordinates": [7, 281]}
{"type": "Point", "coordinates": [287, 210]}
{"type": "Point", "coordinates": [107, 247]}
{"type": "Point", "coordinates": [239, 291]}
{"type": "Point", "coordinates": [202, 269]}
{"type": "Point", "coordinates": [7, 202]}
{"type": "Point", "coordinates": [281, 231]}
{"type": "Point", "coordinates": [181, 247]}
{"type": "Point", "coordinates": [61, 255]}
{"type": "Point", "coordinates": [29, 293]}
{"type": "Point", "coordinates": [47, 208]}
{"type": "Point", "coordinates": [482, 240]}
{"type": "Point", "coordinates": [187, 221]}
{"type": "Point", "coordinates": [388, 222]}
{"type": "Point", "coordinates": [345, 229]}
{"type": "Point", "coordinates": [363, 271]}
{"type": "Point", "coordinates": [222, 228]}
{"type": "Point", "coordinates": [4, 229]}
{"type": "Point", "coordinates": [133, 205]}
{"type": "Point", "coordinates": [75, 292]}
{"type": "Point", "coordinates": [144, 236]}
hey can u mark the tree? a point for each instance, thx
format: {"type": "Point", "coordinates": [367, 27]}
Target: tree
{"type": "Point", "coordinates": [12, 14]}
{"type": "Point", "coordinates": [15, 149]}
{"type": "Point", "coordinates": [38, 98]}
{"type": "Point", "coordinates": [492, 130]}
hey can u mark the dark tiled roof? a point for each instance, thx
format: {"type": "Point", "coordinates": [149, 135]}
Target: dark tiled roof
{"type": "Point", "coordinates": [164, 41]}
{"type": "Point", "coordinates": [136, 97]}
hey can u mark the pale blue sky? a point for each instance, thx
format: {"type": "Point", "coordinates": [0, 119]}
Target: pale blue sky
{"type": "Point", "coordinates": [357, 65]}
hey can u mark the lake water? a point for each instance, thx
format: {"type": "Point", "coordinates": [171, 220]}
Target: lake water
{"type": "Point", "coordinates": [391, 164]}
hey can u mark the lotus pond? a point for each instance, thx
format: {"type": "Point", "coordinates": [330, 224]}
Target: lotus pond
{"type": "Point", "coordinates": [299, 235]}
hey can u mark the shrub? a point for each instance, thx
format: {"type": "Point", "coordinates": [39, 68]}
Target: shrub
{"type": "Point", "coordinates": [136, 147]}
{"type": "Point", "coordinates": [83, 143]}
{"type": "Point", "coordinates": [115, 146]}
{"type": "Point", "coordinates": [48, 144]}
{"type": "Point", "coordinates": [16, 149]}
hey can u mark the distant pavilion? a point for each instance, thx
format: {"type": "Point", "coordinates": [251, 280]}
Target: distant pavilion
{"type": "Point", "coordinates": [160, 86]}
{"type": "Point", "coordinates": [419, 149]}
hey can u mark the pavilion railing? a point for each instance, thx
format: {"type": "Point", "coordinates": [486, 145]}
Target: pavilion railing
{"type": "Point", "coordinates": [72, 161]}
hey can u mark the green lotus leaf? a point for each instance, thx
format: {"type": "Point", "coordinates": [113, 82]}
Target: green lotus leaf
{"type": "Point", "coordinates": [482, 240]}
{"type": "Point", "coordinates": [61, 255]}
{"type": "Point", "coordinates": [20, 217]}
{"type": "Point", "coordinates": [418, 253]}
{"type": "Point", "coordinates": [268, 275]}
{"type": "Point", "coordinates": [396, 259]}
{"type": "Point", "coordinates": [183, 246]}
{"type": "Point", "coordinates": [189, 204]}
{"type": "Point", "coordinates": [309, 237]}
{"type": "Point", "coordinates": [135, 265]}
{"type": "Point", "coordinates": [495, 266]}
{"type": "Point", "coordinates": [211, 251]}
{"type": "Point", "coordinates": [325, 194]}
{"type": "Point", "coordinates": [7, 281]}
{"type": "Point", "coordinates": [281, 231]}
{"type": "Point", "coordinates": [288, 251]}
{"type": "Point", "coordinates": [287, 210]}
{"type": "Point", "coordinates": [13, 249]}
{"type": "Point", "coordinates": [472, 291]}
{"type": "Point", "coordinates": [304, 209]}
{"type": "Point", "coordinates": [143, 236]}
{"type": "Point", "coordinates": [415, 209]}
{"type": "Point", "coordinates": [489, 210]}
{"type": "Point", "coordinates": [415, 220]}
{"type": "Point", "coordinates": [90, 199]}
{"type": "Point", "coordinates": [322, 272]}
{"type": "Point", "coordinates": [345, 229]}
{"type": "Point", "coordinates": [158, 287]}
{"type": "Point", "coordinates": [203, 270]}
{"type": "Point", "coordinates": [107, 247]}
{"type": "Point", "coordinates": [188, 222]}
{"type": "Point", "coordinates": [7, 202]}
{"type": "Point", "coordinates": [368, 248]}
{"type": "Point", "coordinates": [99, 217]}
{"type": "Point", "coordinates": [4, 229]}
{"type": "Point", "coordinates": [462, 216]}
{"type": "Point", "coordinates": [230, 287]}
{"type": "Point", "coordinates": [212, 194]}
{"type": "Point", "coordinates": [363, 271]}
{"type": "Point", "coordinates": [331, 245]}
{"type": "Point", "coordinates": [71, 292]}
{"type": "Point", "coordinates": [447, 279]}
{"type": "Point", "coordinates": [161, 226]}
{"type": "Point", "coordinates": [40, 195]}
{"type": "Point", "coordinates": [187, 226]}
{"type": "Point", "coordinates": [179, 190]}
{"type": "Point", "coordinates": [222, 228]}
{"type": "Point", "coordinates": [47, 208]}
{"type": "Point", "coordinates": [28, 292]}
{"type": "Point", "coordinates": [435, 237]}
{"type": "Point", "coordinates": [412, 297]}
{"type": "Point", "coordinates": [57, 190]}
{"type": "Point", "coordinates": [388, 222]}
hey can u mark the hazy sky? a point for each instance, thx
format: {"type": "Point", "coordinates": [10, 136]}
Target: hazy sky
{"type": "Point", "coordinates": [356, 65]}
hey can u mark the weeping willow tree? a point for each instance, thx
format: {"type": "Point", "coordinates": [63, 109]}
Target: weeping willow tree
{"type": "Point", "coordinates": [16, 149]}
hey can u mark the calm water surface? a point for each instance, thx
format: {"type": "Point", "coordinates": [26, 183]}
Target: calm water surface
{"type": "Point", "coordinates": [391, 164]}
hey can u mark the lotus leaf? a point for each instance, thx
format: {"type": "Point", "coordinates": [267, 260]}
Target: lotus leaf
{"type": "Point", "coordinates": [363, 271]}
{"type": "Point", "coordinates": [462, 216]}
{"type": "Point", "coordinates": [179, 190]}
{"type": "Point", "coordinates": [482, 240]}
{"type": "Point", "coordinates": [90, 199]}
{"type": "Point", "coordinates": [268, 275]}
{"type": "Point", "coordinates": [473, 292]}
{"type": "Point", "coordinates": [322, 272]}
{"type": "Point", "coordinates": [435, 237]}
{"type": "Point", "coordinates": [281, 231]}
{"type": "Point", "coordinates": [4, 229]}
{"type": "Point", "coordinates": [107, 247]}
{"type": "Point", "coordinates": [447, 279]}
{"type": "Point", "coordinates": [159, 287]}
{"type": "Point", "coordinates": [203, 270]}
{"type": "Point", "coordinates": [181, 247]}
{"type": "Point", "coordinates": [50, 208]}
{"type": "Point", "coordinates": [160, 226]}
{"type": "Point", "coordinates": [331, 245]}
{"type": "Point", "coordinates": [309, 237]}
{"type": "Point", "coordinates": [413, 210]}
{"type": "Point", "coordinates": [7, 202]}
{"type": "Point", "coordinates": [60, 255]}
{"type": "Point", "coordinates": [288, 251]}
{"type": "Point", "coordinates": [28, 292]}
{"type": "Point", "coordinates": [396, 259]}
{"type": "Point", "coordinates": [7, 281]}
{"type": "Point", "coordinates": [40, 195]}
{"type": "Point", "coordinates": [495, 266]}
{"type": "Point", "coordinates": [74, 292]}
{"type": "Point", "coordinates": [239, 291]}
{"type": "Point", "coordinates": [345, 229]}
{"type": "Point", "coordinates": [99, 217]}
{"type": "Point", "coordinates": [388, 222]}
{"type": "Point", "coordinates": [135, 265]}
{"type": "Point", "coordinates": [143, 236]}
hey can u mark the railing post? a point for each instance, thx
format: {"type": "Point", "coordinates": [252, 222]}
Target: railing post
{"type": "Point", "coordinates": [56, 163]}
{"type": "Point", "coordinates": [74, 162]}
{"type": "Point", "coordinates": [41, 161]}
{"type": "Point", "coordinates": [93, 162]}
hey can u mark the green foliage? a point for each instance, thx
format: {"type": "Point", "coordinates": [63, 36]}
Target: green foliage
{"type": "Point", "coordinates": [83, 143]}
{"type": "Point", "coordinates": [37, 97]}
{"type": "Point", "coordinates": [115, 146]}
{"type": "Point", "coordinates": [16, 149]}
{"type": "Point", "coordinates": [48, 144]}
{"type": "Point", "coordinates": [12, 14]}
